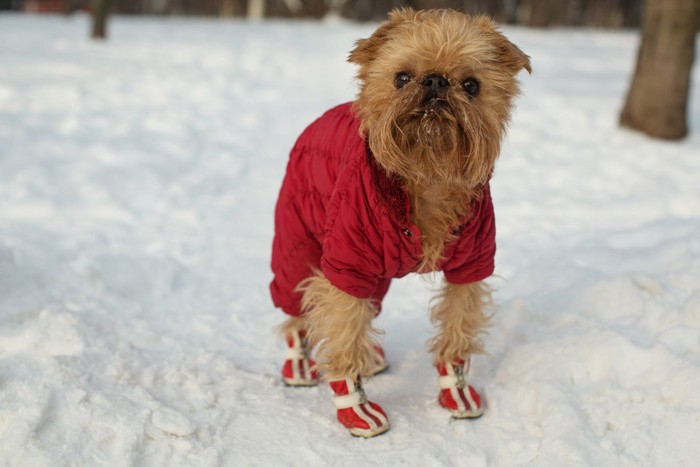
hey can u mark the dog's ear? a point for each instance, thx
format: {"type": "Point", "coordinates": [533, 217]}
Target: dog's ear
{"type": "Point", "coordinates": [510, 55]}
{"type": "Point", "coordinates": [513, 58]}
{"type": "Point", "coordinates": [366, 49]}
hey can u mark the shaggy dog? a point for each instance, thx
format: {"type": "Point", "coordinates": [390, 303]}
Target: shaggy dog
{"type": "Point", "coordinates": [393, 183]}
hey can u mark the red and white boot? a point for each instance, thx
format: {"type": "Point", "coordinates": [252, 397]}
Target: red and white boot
{"type": "Point", "coordinates": [298, 366]}
{"type": "Point", "coordinates": [456, 395]}
{"type": "Point", "coordinates": [355, 412]}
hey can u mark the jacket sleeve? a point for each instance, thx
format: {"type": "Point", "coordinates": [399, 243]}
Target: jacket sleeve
{"type": "Point", "coordinates": [351, 259]}
{"type": "Point", "coordinates": [473, 259]}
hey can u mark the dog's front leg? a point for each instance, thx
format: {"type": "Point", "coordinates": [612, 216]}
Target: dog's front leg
{"type": "Point", "coordinates": [340, 326]}
{"type": "Point", "coordinates": [460, 319]}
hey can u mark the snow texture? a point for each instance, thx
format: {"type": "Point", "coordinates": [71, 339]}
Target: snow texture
{"type": "Point", "coordinates": [137, 184]}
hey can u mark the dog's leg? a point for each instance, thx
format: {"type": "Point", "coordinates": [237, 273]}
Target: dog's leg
{"type": "Point", "coordinates": [460, 318]}
{"type": "Point", "coordinates": [298, 368]}
{"type": "Point", "coordinates": [459, 315]}
{"type": "Point", "coordinates": [341, 327]}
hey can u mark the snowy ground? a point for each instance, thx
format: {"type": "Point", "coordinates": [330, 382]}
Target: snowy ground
{"type": "Point", "coordinates": [137, 185]}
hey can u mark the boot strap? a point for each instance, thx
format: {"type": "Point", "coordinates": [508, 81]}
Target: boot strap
{"type": "Point", "coordinates": [295, 353]}
{"type": "Point", "coordinates": [452, 381]}
{"type": "Point", "coordinates": [456, 377]}
{"type": "Point", "coordinates": [349, 400]}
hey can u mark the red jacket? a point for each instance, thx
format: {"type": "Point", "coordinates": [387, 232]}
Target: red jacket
{"type": "Point", "coordinates": [340, 212]}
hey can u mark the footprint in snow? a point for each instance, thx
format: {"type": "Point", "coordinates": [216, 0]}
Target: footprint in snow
{"type": "Point", "coordinates": [172, 422]}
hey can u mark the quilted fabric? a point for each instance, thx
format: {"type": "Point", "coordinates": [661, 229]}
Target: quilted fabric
{"type": "Point", "coordinates": [340, 212]}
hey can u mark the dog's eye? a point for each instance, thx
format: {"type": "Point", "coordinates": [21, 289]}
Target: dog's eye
{"type": "Point", "coordinates": [402, 79]}
{"type": "Point", "coordinates": [471, 86]}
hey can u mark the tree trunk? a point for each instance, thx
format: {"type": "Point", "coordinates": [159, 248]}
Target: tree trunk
{"type": "Point", "coordinates": [372, 10]}
{"type": "Point", "coordinates": [658, 97]}
{"type": "Point", "coordinates": [542, 13]}
{"type": "Point", "coordinates": [99, 18]}
{"type": "Point", "coordinates": [496, 10]}
{"type": "Point", "coordinates": [226, 8]}
{"type": "Point", "coordinates": [315, 8]}
{"type": "Point", "coordinates": [256, 9]}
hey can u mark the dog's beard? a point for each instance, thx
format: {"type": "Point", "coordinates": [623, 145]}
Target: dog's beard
{"type": "Point", "coordinates": [436, 130]}
{"type": "Point", "coordinates": [430, 143]}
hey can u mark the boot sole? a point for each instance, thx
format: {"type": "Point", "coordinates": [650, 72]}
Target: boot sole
{"type": "Point", "coordinates": [368, 433]}
{"type": "Point", "coordinates": [296, 383]}
{"type": "Point", "coordinates": [459, 415]}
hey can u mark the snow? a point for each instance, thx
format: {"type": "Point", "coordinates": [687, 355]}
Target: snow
{"type": "Point", "coordinates": [137, 184]}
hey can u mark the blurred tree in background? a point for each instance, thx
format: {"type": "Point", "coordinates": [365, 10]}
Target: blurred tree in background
{"type": "Point", "coordinates": [100, 10]}
{"type": "Point", "coordinates": [658, 97]}
{"type": "Point", "coordinates": [540, 13]}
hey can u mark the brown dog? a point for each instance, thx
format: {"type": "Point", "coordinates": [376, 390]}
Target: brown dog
{"type": "Point", "coordinates": [397, 182]}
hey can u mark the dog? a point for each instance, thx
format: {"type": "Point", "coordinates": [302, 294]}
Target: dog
{"type": "Point", "coordinates": [393, 183]}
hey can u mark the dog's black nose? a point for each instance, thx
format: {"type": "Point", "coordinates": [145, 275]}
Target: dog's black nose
{"type": "Point", "coordinates": [435, 86]}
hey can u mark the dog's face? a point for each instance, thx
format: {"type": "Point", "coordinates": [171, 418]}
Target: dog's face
{"type": "Point", "coordinates": [436, 90]}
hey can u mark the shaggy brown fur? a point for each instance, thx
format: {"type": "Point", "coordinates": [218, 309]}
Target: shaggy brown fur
{"type": "Point", "coordinates": [460, 319]}
{"type": "Point", "coordinates": [340, 326]}
{"type": "Point", "coordinates": [291, 325]}
{"type": "Point", "coordinates": [444, 149]}
{"type": "Point", "coordinates": [435, 209]}
{"type": "Point", "coordinates": [445, 152]}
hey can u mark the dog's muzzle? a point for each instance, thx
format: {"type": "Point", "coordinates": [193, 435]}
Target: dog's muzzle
{"type": "Point", "coordinates": [435, 87]}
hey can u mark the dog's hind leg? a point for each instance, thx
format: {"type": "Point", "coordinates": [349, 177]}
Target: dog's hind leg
{"type": "Point", "coordinates": [340, 325]}
{"type": "Point", "coordinates": [460, 318]}
{"type": "Point", "coordinates": [298, 368]}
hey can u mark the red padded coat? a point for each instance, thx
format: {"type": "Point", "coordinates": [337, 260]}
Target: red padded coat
{"type": "Point", "coordinates": [340, 212]}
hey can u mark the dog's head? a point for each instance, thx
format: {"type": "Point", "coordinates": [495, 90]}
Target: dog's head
{"type": "Point", "coordinates": [436, 90]}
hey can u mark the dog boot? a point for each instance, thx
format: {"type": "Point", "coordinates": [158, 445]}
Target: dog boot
{"type": "Point", "coordinates": [298, 366]}
{"type": "Point", "coordinates": [355, 412]}
{"type": "Point", "coordinates": [456, 395]}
